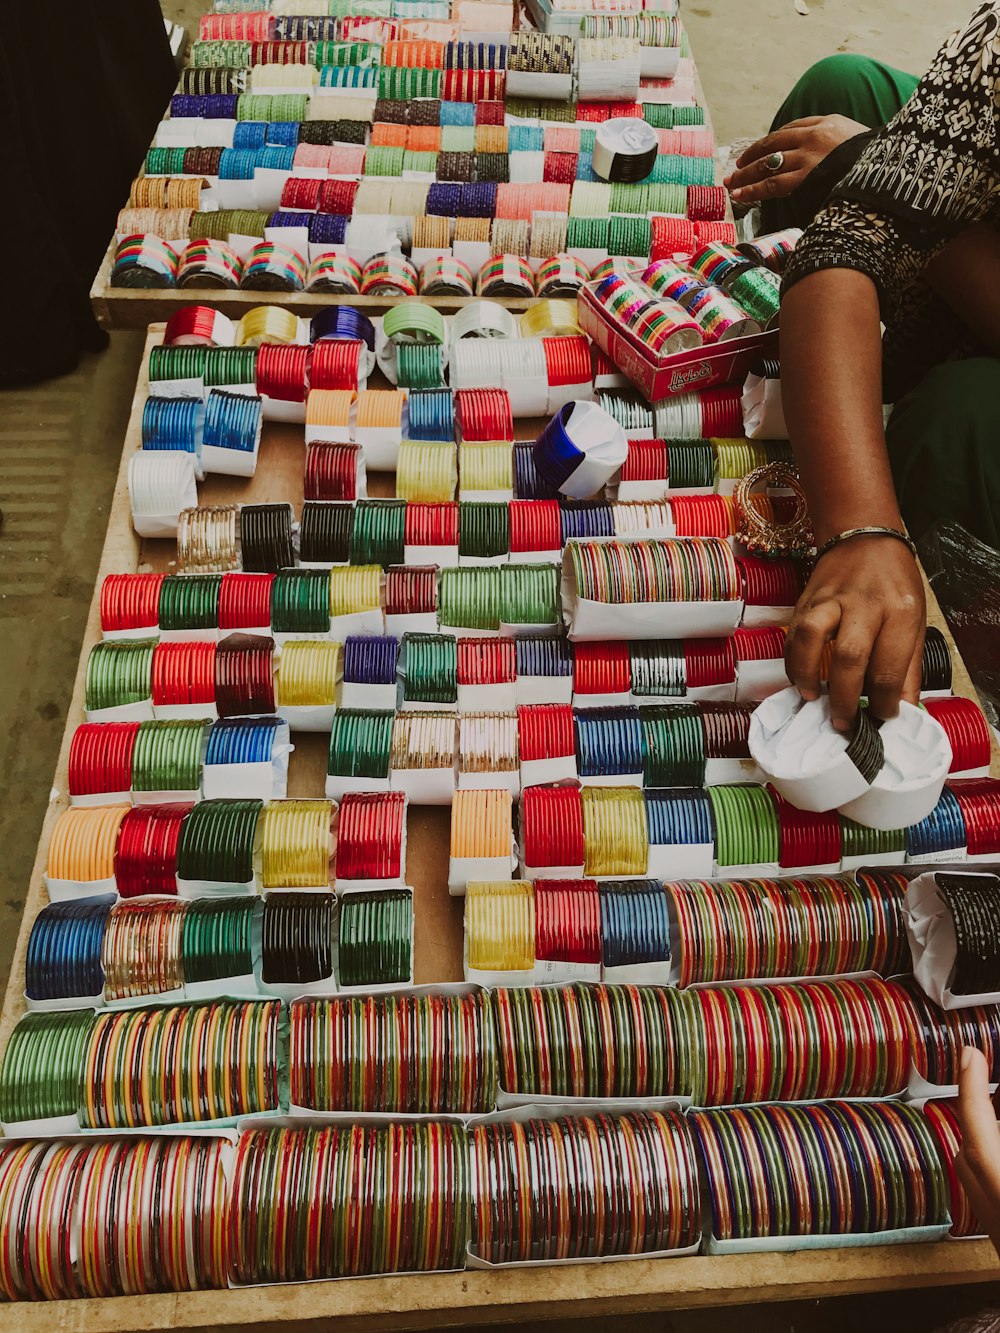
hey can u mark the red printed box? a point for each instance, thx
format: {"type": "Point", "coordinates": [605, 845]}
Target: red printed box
{"type": "Point", "coordinates": [683, 372]}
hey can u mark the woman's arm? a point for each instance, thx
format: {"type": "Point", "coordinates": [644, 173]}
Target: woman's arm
{"type": "Point", "coordinates": [867, 594]}
{"type": "Point", "coordinates": [966, 274]}
{"type": "Point", "coordinates": [929, 175]}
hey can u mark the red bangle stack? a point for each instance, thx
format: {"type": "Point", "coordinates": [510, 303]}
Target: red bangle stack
{"type": "Point", "coordinates": [431, 524]}
{"type": "Point", "coordinates": [100, 758]}
{"type": "Point", "coordinates": [485, 415]}
{"type": "Point", "coordinates": [567, 360]}
{"type": "Point", "coordinates": [567, 921]}
{"type": "Point", "coordinates": [486, 661]}
{"type": "Point", "coordinates": [332, 472]}
{"type": "Point", "coordinates": [244, 676]}
{"type": "Point", "coordinates": [709, 662]}
{"type": "Point", "coordinates": [183, 673]}
{"type": "Point", "coordinates": [370, 836]}
{"type": "Point", "coordinates": [245, 601]}
{"type": "Point", "coordinates": [146, 855]}
{"type": "Point", "coordinates": [967, 730]}
{"type": "Point", "coordinates": [602, 667]}
{"type": "Point", "coordinates": [701, 515]}
{"type": "Point", "coordinates": [334, 363]}
{"type": "Point", "coordinates": [130, 601]}
{"type": "Point", "coordinates": [764, 644]}
{"type": "Point", "coordinates": [282, 371]}
{"type": "Point", "coordinates": [337, 196]}
{"type": "Point", "coordinates": [545, 731]}
{"type": "Point", "coordinates": [806, 839]}
{"type": "Point", "coordinates": [769, 582]}
{"type": "Point", "coordinates": [411, 589]}
{"type": "Point", "coordinates": [552, 827]}
{"type": "Point", "coordinates": [979, 801]}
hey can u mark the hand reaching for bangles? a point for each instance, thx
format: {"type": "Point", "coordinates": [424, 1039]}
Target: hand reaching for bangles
{"type": "Point", "coordinates": [978, 1162]}
{"type": "Point", "coordinates": [776, 165]}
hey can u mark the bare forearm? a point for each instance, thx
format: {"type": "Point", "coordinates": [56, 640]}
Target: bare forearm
{"type": "Point", "coordinates": [966, 274]}
{"type": "Point", "coordinates": [831, 379]}
{"type": "Point", "coordinates": [865, 593]}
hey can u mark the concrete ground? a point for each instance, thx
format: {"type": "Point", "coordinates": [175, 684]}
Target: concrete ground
{"type": "Point", "coordinates": [59, 448]}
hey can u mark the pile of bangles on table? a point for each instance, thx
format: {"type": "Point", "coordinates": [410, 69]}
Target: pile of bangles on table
{"type": "Point", "coordinates": [448, 875]}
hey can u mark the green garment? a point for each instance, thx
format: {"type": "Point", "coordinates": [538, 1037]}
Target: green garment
{"type": "Point", "coordinates": [944, 447]}
{"type": "Point", "coordinates": [858, 87]}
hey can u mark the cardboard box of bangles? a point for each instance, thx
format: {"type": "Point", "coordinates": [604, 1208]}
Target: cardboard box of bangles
{"type": "Point", "coordinates": [657, 376]}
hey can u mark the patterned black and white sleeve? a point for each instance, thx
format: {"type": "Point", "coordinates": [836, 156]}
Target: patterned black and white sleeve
{"type": "Point", "coordinates": [932, 171]}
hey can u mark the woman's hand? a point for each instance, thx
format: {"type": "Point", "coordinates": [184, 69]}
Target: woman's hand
{"type": "Point", "coordinates": [804, 143]}
{"type": "Point", "coordinates": [978, 1162]}
{"type": "Point", "coordinates": [866, 595]}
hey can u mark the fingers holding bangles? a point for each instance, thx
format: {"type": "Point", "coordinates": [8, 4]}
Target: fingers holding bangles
{"type": "Point", "coordinates": [853, 637]}
{"type": "Point", "coordinates": [865, 595]}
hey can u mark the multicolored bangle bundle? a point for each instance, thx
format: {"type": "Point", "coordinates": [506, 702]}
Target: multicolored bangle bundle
{"type": "Point", "coordinates": [828, 1170]}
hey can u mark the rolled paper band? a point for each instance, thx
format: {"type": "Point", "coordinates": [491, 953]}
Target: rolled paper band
{"type": "Point", "coordinates": [625, 149]}
{"type": "Point", "coordinates": [580, 450]}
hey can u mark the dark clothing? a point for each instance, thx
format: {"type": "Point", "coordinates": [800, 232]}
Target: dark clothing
{"type": "Point", "coordinates": [929, 173]}
{"type": "Point", "coordinates": [944, 432]}
{"type": "Point", "coordinates": [78, 108]}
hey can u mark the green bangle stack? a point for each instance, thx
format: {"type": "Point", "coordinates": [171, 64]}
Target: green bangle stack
{"type": "Point", "coordinates": [360, 743]}
{"type": "Point", "coordinates": [529, 595]}
{"type": "Point", "coordinates": [419, 366]}
{"type": "Point", "coordinates": [483, 528]}
{"type": "Point", "coordinates": [587, 233]}
{"type": "Point", "coordinates": [384, 160]}
{"type": "Point", "coordinates": [470, 598]}
{"type": "Point", "coordinates": [347, 55]}
{"type": "Point", "coordinates": [658, 668]}
{"type": "Point", "coordinates": [190, 602]}
{"type": "Point", "coordinates": [674, 746]}
{"type": "Point", "coordinates": [177, 362]}
{"type": "Point", "coordinates": [858, 841]}
{"type": "Point", "coordinates": [40, 1074]}
{"type": "Point", "coordinates": [430, 668]}
{"type": "Point", "coordinates": [629, 235]}
{"type": "Point", "coordinates": [690, 464]}
{"type": "Point", "coordinates": [217, 842]}
{"type": "Point", "coordinates": [217, 938]}
{"type": "Point", "coordinates": [403, 83]}
{"type": "Point", "coordinates": [375, 938]}
{"type": "Point", "coordinates": [300, 601]}
{"type": "Point", "coordinates": [420, 161]}
{"type": "Point", "coordinates": [221, 224]}
{"type": "Point", "coordinates": [230, 366]}
{"type": "Point", "coordinates": [659, 114]}
{"type": "Point", "coordinates": [746, 826]}
{"type": "Point", "coordinates": [119, 673]}
{"type": "Point", "coordinates": [222, 55]}
{"type": "Point", "coordinates": [168, 756]}
{"type": "Point", "coordinates": [458, 139]}
{"type": "Point", "coordinates": [379, 532]}
{"type": "Point", "coordinates": [164, 161]}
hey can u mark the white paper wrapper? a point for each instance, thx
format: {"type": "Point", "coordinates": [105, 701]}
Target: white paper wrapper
{"type": "Point", "coordinates": [763, 412]}
{"type": "Point", "coordinates": [603, 445]}
{"type": "Point", "coordinates": [796, 746]}
{"type": "Point", "coordinates": [930, 929]}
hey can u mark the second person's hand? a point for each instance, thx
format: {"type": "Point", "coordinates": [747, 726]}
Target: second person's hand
{"type": "Point", "coordinates": [803, 144]}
